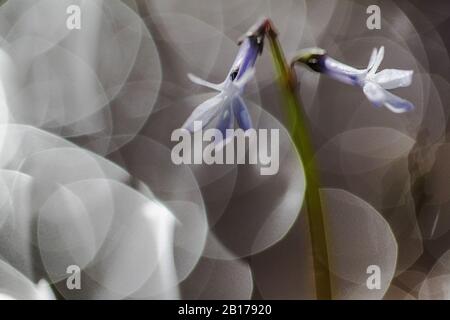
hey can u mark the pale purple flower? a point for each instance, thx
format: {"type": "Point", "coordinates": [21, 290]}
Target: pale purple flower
{"type": "Point", "coordinates": [375, 84]}
{"type": "Point", "coordinates": [228, 104]}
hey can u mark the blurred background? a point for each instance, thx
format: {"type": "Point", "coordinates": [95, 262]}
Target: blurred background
{"type": "Point", "coordinates": [87, 180]}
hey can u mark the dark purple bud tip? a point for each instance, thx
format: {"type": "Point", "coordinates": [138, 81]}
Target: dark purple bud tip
{"type": "Point", "coordinates": [314, 58]}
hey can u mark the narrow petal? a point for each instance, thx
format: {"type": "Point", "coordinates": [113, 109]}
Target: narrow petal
{"type": "Point", "coordinates": [226, 121]}
{"type": "Point", "coordinates": [397, 104]}
{"type": "Point", "coordinates": [379, 97]}
{"type": "Point", "coordinates": [377, 62]}
{"type": "Point", "coordinates": [374, 93]}
{"type": "Point", "coordinates": [241, 112]}
{"type": "Point", "coordinates": [204, 83]}
{"type": "Point", "coordinates": [393, 78]}
{"type": "Point", "coordinates": [372, 59]}
{"type": "Point", "coordinates": [205, 112]}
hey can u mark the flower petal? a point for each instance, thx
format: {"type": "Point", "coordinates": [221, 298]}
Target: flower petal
{"type": "Point", "coordinates": [393, 78]}
{"type": "Point", "coordinates": [379, 96]}
{"type": "Point", "coordinates": [342, 72]}
{"type": "Point", "coordinates": [376, 64]}
{"type": "Point", "coordinates": [241, 112]}
{"type": "Point", "coordinates": [372, 59]}
{"type": "Point", "coordinates": [226, 121]}
{"type": "Point", "coordinates": [204, 83]}
{"type": "Point", "coordinates": [205, 112]}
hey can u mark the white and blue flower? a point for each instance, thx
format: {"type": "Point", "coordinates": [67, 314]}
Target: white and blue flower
{"type": "Point", "coordinates": [375, 84]}
{"type": "Point", "coordinates": [228, 105]}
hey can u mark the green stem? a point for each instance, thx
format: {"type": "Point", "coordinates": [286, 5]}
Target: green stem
{"type": "Point", "coordinates": [298, 130]}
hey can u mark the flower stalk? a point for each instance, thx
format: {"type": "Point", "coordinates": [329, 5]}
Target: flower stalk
{"type": "Point", "coordinates": [299, 132]}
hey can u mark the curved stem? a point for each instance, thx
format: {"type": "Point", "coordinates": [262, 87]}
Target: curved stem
{"type": "Point", "coordinates": [299, 132]}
